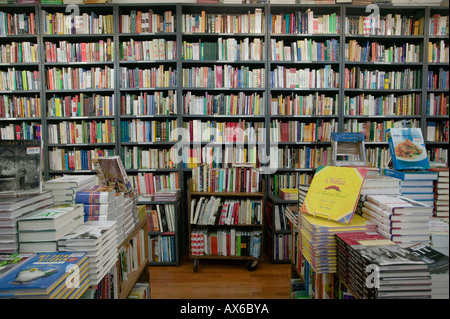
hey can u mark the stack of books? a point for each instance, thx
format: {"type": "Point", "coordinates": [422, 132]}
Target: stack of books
{"type": "Point", "coordinates": [120, 209]}
{"type": "Point", "coordinates": [302, 191]}
{"type": "Point", "coordinates": [130, 216]}
{"type": "Point", "coordinates": [288, 193]}
{"type": "Point", "coordinates": [441, 191]}
{"type": "Point", "coordinates": [65, 188]}
{"type": "Point", "coordinates": [99, 240]}
{"type": "Point", "coordinates": [99, 202]}
{"type": "Point", "coordinates": [12, 209]}
{"type": "Point", "coordinates": [318, 242]}
{"type": "Point", "coordinates": [291, 213]}
{"type": "Point", "coordinates": [398, 218]}
{"type": "Point", "coordinates": [171, 195]}
{"type": "Point", "coordinates": [415, 184]}
{"type": "Point", "coordinates": [439, 233]}
{"type": "Point", "coordinates": [48, 276]}
{"type": "Point", "coordinates": [394, 271]}
{"type": "Point", "coordinates": [41, 230]}
{"type": "Point", "coordinates": [438, 265]}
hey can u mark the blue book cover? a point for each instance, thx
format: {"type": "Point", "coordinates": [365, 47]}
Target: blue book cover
{"type": "Point", "coordinates": [407, 148]}
{"type": "Point", "coordinates": [410, 175]}
{"type": "Point", "coordinates": [41, 274]}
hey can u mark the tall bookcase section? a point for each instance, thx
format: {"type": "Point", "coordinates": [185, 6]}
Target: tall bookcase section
{"type": "Point", "coordinates": [437, 85]}
{"type": "Point", "coordinates": [20, 90]}
{"type": "Point", "coordinates": [78, 51]}
{"type": "Point", "coordinates": [304, 81]}
{"type": "Point", "coordinates": [148, 106]}
{"type": "Point", "coordinates": [383, 70]}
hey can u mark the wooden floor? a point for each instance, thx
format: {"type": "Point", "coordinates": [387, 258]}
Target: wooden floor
{"type": "Point", "coordinates": [220, 279]}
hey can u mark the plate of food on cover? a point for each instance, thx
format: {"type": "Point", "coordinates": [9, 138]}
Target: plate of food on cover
{"type": "Point", "coordinates": [409, 151]}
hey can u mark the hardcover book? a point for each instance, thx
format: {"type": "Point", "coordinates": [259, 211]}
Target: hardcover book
{"type": "Point", "coordinates": [112, 172]}
{"type": "Point", "coordinates": [407, 149]}
{"type": "Point", "coordinates": [96, 195]}
{"type": "Point", "coordinates": [334, 193]}
{"type": "Point", "coordinates": [8, 262]}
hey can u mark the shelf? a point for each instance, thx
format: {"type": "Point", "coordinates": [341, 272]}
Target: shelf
{"type": "Point", "coordinates": [228, 194]}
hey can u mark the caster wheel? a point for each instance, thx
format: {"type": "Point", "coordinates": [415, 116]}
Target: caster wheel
{"type": "Point", "coordinates": [252, 265]}
{"type": "Point", "coordinates": [196, 265]}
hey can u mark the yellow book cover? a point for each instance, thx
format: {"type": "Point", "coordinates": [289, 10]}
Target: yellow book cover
{"type": "Point", "coordinates": [334, 193]}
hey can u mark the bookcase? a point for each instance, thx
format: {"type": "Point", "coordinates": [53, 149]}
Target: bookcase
{"type": "Point", "coordinates": [162, 85]}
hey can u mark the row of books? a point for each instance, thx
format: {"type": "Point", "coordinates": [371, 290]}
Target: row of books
{"type": "Point", "coordinates": [306, 50]}
{"type": "Point", "coordinates": [437, 154]}
{"type": "Point", "coordinates": [240, 178]}
{"type": "Point", "coordinates": [161, 76]}
{"type": "Point", "coordinates": [378, 156]}
{"type": "Point", "coordinates": [213, 131]}
{"type": "Point", "coordinates": [282, 247]}
{"type": "Point", "coordinates": [408, 79]}
{"type": "Point", "coordinates": [13, 106]}
{"type": "Point", "coordinates": [285, 77]}
{"type": "Point", "coordinates": [146, 103]}
{"type": "Point", "coordinates": [80, 105]}
{"type": "Point", "coordinates": [82, 132]}
{"type": "Point", "coordinates": [437, 104]}
{"type": "Point", "coordinates": [219, 211]}
{"type": "Point", "coordinates": [295, 131]}
{"type": "Point", "coordinates": [75, 159]}
{"type": "Point", "coordinates": [148, 184]}
{"type": "Point", "coordinates": [438, 25]}
{"type": "Point", "coordinates": [19, 52]}
{"type": "Point", "coordinates": [390, 24]}
{"type": "Point", "coordinates": [304, 23]}
{"type": "Point", "coordinates": [162, 249]}
{"type": "Point", "coordinates": [226, 242]}
{"type": "Point", "coordinates": [289, 180]}
{"type": "Point", "coordinates": [229, 49]}
{"type": "Point", "coordinates": [148, 131]}
{"type": "Point", "coordinates": [17, 23]}
{"type": "Point", "coordinates": [19, 80]}
{"type": "Point", "coordinates": [150, 50]}
{"type": "Point", "coordinates": [161, 218]}
{"type": "Point", "coordinates": [312, 104]}
{"type": "Point", "coordinates": [438, 80]}
{"type": "Point", "coordinates": [146, 22]}
{"type": "Point", "coordinates": [84, 23]}
{"type": "Point", "coordinates": [376, 131]}
{"type": "Point", "coordinates": [438, 52]}
{"type": "Point", "coordinates": [280, 219]}
{"type": "Point", "coordinates": [304, 157]}
{"type": "Point", "coordinates": [441, 191]}
{"type": "Point", "coordinates": [137, 157]}
{"type": "Point", "coordinates": [368, 104]}
{"type": "Point", "coordinates": [132, 255]}
{"type": "Point", "coordinates": [223, 104]}
{"type": "Point", "coordinates": [65, 52]}
{"type": "Point", "coordinates": [217, 157]}
{"type": "Point", "coordinates": [378, 52]}
{"type": "Point", "coordinates": [437, 131]}
{"type": "Point", "coordinates": [223, 76]}
{"type": "Point", "coordinates": [226, 23]}
{"type": "Point", "coordinates": [24, 131]}
{"type": "Point", "coordinates": [69, 78]}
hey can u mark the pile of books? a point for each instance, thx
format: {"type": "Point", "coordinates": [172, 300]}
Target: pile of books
{"type": "Point", "coordinates": [398, 218]}
{"type": "Point", "coordinates": [394, 272]}
{"type": "Point", "coordinates": [441, 191]}
{"type": "Point", "coordinates": [65, 188]}
{"type": "Point", "coordinates": [377, 184]}
{"type": "Point", "coordinates": [41, 230]}
{"type": "Point", "coordinates": [12, 209]}
{"type": "Point", "coordinates": [54, 275]}
{"type": "Point", "coordinates": [99, 202]}
{"type": "Point", "coordinates": [318, 242]}
{"type": "Point", "coordinates": [288, 193]}
{"type": "Point", "coordinates": [130, 214]}
{"type": "Point", "coordinates": [167, 195]}
{"type": "Point", "coordinates": [99, 240]}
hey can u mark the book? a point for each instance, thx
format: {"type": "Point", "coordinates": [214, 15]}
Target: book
{"type": "Point", "coordinates": [334, 192]}
{"type": "Point", "coordinates": [87, 233]}
{"type": "Point", "coordinates": [96, 195]}
{"type": "Point", "coordinates": [20, 167]}
{"type": "Point", "coordinates": [399, 204]}
{"type": "Point", "coordinates": [69, 181]}
{"type": "Point", "coordinates": [14, 203]}
{"type": "Point", "coordinates": [407, 148]}
{"type": "Point", "coordinates": [8, 262]}
{"type": "Point", "coordinates": [41, 275]}
{"type": "Point", "coordinates": [410, 175]}
{"type": "Point", "coordinates": [112, 173]}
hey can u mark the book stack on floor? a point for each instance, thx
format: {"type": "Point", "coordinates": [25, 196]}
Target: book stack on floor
{"type": "Point", "coordinates": [65, 188]}
{"type": "Point", "coordinates": [416, 184]}
{"type": "Point", "coordinates": [99, 240]}
{"type": "Point", "coordinates": [54, 275]}
{"type": "Point", "coordinates": [318, 243]}
{"type": "Point", "coordinates": [439, 269]}
{"type": "Point", "coordinates": [441, 191]}
{"type": "Point", "coordinates": [399, 218]}
{"type": "Point", "coordinates": [41, 230]}
{"type": "Point", "coordinates": [99, 202]}
{"type": "Point", "coordinates": [374, 267]}
{"type": "Point", "coordinates": [12, 209]}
